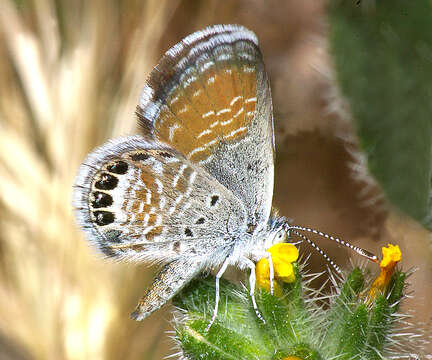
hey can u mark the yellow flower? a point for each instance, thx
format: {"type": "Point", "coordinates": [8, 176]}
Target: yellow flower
{"type": "Point", "coordinates": [292, 358]}
{"type": "Point", "coordinates": [283, 255]}
{"type": "Point", "coordinates": [391, 256]}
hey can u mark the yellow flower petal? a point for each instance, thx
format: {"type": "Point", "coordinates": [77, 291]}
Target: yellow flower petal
{"type": "Point", "coordinates": [285, 272]}
{"type": "Point", "coordinates": [262, 272]}
{"type": "Point", "coordinates": [283, 255]}
{"type": "Point", "coordinates": [285, 252]}
{"type": "Point", "coordinates": [391, 256]}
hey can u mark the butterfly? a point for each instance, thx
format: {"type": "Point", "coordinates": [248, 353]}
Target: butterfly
{"type": "Point", "coordinates": [194, 191]}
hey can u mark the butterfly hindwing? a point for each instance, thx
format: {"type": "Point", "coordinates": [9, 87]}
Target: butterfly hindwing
{"type": "Point", "coordinates": [141, 200]}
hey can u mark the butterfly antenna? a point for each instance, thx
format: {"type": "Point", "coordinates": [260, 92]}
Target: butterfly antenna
{"type": "Point", "coordinates": [317, 248]}
{"type": "Point", "coordinates": [362, 252]}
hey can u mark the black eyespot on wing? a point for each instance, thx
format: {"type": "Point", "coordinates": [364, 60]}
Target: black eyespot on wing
{"type": "Point", "coordinates": [103, 217]}
{"type": "Point", "coordinates": [176, 247]}
{"type": "Point", "coordinates": [251, 228]}
{"type": "Point", "coordinates": [254, 165]}
{"type": "Point", "coordinates": [101, 200]}
{"type": "Point", "coordinates": [119, 167]}
{"type": "Point", "coordinates": [188, 232]}
{"type": "Point", "coordinates": [165, 154]}
{"type": "Point", "coordinates": [106, 182]}
{"type": "Point", "coordinates": [107, 251]}
{"type": "Point", "coordinates": [214, 200]}
{"type": "Point", "coordinates": [113, 236]}
{"type": "Point", "coordinates": [139, 156]}
{"type": "Point", "coordinates": [200, 221]}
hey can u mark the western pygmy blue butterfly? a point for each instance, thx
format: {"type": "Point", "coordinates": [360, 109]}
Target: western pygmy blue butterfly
{"type": "Point", "coordinates": [194, 191]}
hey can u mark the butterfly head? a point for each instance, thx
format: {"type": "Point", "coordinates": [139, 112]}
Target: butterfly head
{"type": "Point", "coordinates": [277, 231]}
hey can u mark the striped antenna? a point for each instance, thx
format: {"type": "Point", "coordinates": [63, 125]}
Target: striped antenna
{"type": "Point", "coordinates": [362, 252]}
{"type": "Point", "coordinates": [316, 247]}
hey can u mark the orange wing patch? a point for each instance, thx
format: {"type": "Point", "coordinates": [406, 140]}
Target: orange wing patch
{"type": "Point", "coordinates": [147, 195]}
{"type": "Point", "coordinates": [202, 99]}
{"type": "Point", "coordinates": [203, 110]}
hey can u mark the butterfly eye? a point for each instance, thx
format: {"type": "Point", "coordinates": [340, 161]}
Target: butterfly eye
{"type": "Point", "coordinates": [281, 236]}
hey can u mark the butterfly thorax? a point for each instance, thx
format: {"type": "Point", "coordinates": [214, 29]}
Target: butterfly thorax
{"type": "Point", "coordinates": [254, 245]}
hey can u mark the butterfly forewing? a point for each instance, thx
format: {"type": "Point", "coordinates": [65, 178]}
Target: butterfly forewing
{"type": "Point", "coordinates": [209, 98]}
{"type": "Point", "coordinates": [142, 201]}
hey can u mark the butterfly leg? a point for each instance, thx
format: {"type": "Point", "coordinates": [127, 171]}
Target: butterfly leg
{"type": "Point", "coordinates": [218, 277]}
{"type": "Point", "coordinates": [260, 255]}
{"type": "Point", "coordinates": [271, 268]}
{"type": "Point", "coordinates": [252, 279]}
{"type": "Point", "coordinates": [170, 280]}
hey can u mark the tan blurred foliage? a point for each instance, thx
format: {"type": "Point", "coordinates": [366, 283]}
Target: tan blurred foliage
{"type": "Point", "coordinates": [70, 77]}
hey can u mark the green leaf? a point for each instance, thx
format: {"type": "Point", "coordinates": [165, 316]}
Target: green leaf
{"type": "Point", "coordinates": [354, 337]}
{"type": "Point", "coordinates": [381, 320]}
{"type": "Point", "coordinates": [285, 316]}
{"type": "Point", "coordinates": [383, 62]}
{"type": "Point", "coordinates": [230, 336]}
{"type": "Point", "coordinates": [341, 310]}
{"type": "Point", "coordinates": [295, 325]}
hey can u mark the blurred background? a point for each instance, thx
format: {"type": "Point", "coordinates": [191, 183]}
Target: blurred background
{"type": "Point", "coordinates": [71, 73]}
